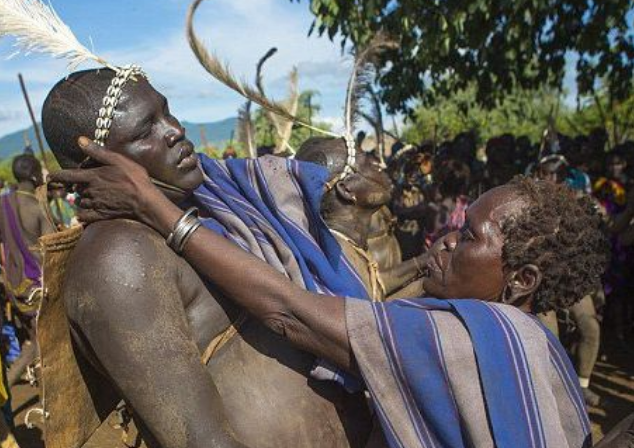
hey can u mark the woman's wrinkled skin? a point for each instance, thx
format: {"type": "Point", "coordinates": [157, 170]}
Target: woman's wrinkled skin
{"type": "Point", "coordinates": [468, 263]}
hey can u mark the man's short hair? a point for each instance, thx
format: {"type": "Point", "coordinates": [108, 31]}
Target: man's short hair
{"type": "Point", "coordinates": [26, 168]}
{"type": "Point", "coordinates": [329, 152]}
{"type": "Point", "coordinates": [71, 110]}
{"type": "Point", "coordinates": [561, 234]}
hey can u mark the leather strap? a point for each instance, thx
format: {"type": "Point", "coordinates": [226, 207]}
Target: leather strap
{"type": "Point", "coordinates": [219, 341]}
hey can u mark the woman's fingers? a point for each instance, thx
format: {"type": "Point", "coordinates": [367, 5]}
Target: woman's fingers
{"type": "Point", "coordinates": [89, 216]}
{"type": "Point", "coordinates": [98, 153]}
{"type": "Point", "coordinates": [71, 176]}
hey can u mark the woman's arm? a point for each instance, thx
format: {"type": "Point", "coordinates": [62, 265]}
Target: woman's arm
{"type": "Point", "coordinates": [122, 188]}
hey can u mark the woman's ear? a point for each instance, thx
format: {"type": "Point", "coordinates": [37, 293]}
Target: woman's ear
{"type": "Point", "coordinates": [522, 284]}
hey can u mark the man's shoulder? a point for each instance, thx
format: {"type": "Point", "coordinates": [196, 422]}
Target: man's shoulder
{"type": "Point", "coordinates": [118, 234]}
{"type": "Point", "coordinates": [119, 244]}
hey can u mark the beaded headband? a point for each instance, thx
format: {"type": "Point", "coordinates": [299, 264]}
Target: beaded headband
{"type": "Point", "coordinates": [111, 100]}
{"type": "Point", "coordinates": [351, 161]}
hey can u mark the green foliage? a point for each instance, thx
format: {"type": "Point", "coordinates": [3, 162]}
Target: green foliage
{"type": "Point", "coordinates": [597, 110]}
{"type": "Point", "coordinates": [5, 171]}
{"type": "Point", "coordinates": [445, 46]}
{"type": "Point", "coordinates": [521, 112]}
{"type": "Point", "coordinates": [308, 110]}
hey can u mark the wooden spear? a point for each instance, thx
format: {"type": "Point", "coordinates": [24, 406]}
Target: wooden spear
{"type": "Point", "coordinates": [36, 127]}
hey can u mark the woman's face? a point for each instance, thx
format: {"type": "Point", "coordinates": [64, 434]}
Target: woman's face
{"type": "Point", "coordinates": [468, 263]}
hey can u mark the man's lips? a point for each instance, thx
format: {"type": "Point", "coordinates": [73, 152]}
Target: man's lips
{"type": "Point", "coordinates": [187, 157]}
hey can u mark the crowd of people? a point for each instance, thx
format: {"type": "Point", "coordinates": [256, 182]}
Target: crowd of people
{"type": "Point", "coordinates": [434, 185]}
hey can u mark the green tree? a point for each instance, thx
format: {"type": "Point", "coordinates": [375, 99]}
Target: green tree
{"type": "Point", "coordinates": [601, 110]}
{"type": "Point", "coordinates": [308, 110]}
{"type": "Point", "coordinates": [521, 112]}
{"type": "Point", "coordinates": [497, 46]}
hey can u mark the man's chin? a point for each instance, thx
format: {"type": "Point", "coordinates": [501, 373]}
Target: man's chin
{"type": "Point", "coordinates": [190, 181]}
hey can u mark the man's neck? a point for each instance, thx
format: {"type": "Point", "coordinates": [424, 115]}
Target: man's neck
{"type": "Point", "coordinates": [352, 222]}
{"type": "Point", "coordinates": [26, 186]}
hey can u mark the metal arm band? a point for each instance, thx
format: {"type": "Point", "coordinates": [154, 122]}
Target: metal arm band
{"type": "Point", "coordinates": [183, 230]}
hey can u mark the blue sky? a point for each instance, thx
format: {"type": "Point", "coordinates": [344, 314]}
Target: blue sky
{"type": "Point", "coordinates": [151, 33]}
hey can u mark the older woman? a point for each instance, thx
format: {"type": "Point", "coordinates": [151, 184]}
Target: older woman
{"type": "Point", "coordinates": [442, 372]}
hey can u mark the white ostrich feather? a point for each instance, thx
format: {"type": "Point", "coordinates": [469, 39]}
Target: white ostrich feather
{"type": "Point", "coordinates": [37, 28]}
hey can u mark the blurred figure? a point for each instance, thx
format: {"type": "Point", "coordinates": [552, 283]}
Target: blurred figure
{"type": "Point", "coordinates": [229, 153]}
{"type": "Point", "coordinates": [616, 168]}
{"type": "Point", "coordinates": [501, 167]}
{"type": "Point", "coordinates": [22, 222]}
{"type": "Point", "coordinates": [62, 211]}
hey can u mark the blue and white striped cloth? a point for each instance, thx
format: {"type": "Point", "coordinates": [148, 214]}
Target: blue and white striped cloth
{"type": "Point", "coordinates": [466, 373]}
{"type": "Point", "coordinates": [270, 207]}
{"type": "Point", "coordinates": [442, 374]}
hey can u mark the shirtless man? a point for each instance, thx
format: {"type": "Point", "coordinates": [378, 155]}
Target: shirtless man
{"type": "Point", "coordinates": [21, 259]}
{"type": "Point", "coordinates": [143, 316]}
{"type": "Point", "coordinates": [348, 208]}
{"type": "Point", "coordinates": [27, 170]}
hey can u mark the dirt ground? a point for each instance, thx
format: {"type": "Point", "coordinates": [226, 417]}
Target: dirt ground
{"type": "Point", "coordinates": [613, 380]}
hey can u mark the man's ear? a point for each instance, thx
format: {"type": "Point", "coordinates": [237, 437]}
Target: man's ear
{"type": "Point", "coordinates": [522, 283]}
{"type": "Point", "coordinates": [344, 191]}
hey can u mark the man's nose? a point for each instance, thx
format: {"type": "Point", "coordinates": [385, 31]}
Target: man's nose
{"type": "Point", "coordinates": [175, 134]}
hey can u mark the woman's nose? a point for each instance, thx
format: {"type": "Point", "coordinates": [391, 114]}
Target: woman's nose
{"type": "Point", "coordinates": [449, 241]}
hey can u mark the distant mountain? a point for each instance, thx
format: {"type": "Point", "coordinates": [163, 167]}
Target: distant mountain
{"type": "Point", "coordinates": [14, 143]}
{"type": "Point", "coordinates": [217, 133]}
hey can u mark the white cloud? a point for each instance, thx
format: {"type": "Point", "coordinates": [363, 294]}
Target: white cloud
{"type": "Point", "coordinates": [240, 31]}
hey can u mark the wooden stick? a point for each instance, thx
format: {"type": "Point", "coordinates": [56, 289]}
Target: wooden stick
{"type": "Point", "coordinates": [36, 127]}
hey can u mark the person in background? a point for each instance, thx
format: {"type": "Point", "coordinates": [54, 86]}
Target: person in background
{"type": "Point", "coordinates": [62, 211]}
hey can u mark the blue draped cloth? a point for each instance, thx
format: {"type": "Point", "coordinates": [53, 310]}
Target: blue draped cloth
{"type": "Point", "coordinates": [462, 373]}
{"type": "Point", "coordinates": [453, 374]}
{"type": "Point", "coordinates": [271, 207]}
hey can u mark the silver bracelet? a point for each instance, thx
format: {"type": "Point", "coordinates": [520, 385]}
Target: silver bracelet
{"type": "Point", "coordinates": [183, 229]}
{"type": "Point", "coordinates": [194, 224]}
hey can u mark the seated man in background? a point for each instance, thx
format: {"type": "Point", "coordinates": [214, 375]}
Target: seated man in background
{"type": "Point", "coordinates": [348, 206]}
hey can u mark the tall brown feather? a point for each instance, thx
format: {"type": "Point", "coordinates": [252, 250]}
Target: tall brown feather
{"type": "Point", "coordinates": [360, 78]}
{"type": "Point", "coordinates": [222, 73]}
{"type": "Point", "coordinates": [285, 127]}
{"type": "Point", "coordinates": [245, 129]}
